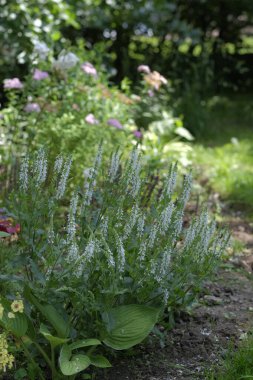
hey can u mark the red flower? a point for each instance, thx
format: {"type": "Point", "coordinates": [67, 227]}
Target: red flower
{"type": "Point", "coordinates": [6, 225]}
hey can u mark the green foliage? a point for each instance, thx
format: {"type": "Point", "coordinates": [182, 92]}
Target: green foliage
{"type": "Point", "coordinates": [25, 328]}
{"type": "Point", "coordinates": [227, 144]}
{"type": "Point", "coordinates": [160, 33]}
{"type": "Point", "coordinates": [238, 364]}
{"type": "Point", "coordinates": [17, 326]}
{"type": "Point", "coordinates": [72, 365]}
{"type": "Point", "coordinates": [4, 234]}
{"type": "Point", "coordinates": [51, 315]}
{"type": "Point", "coordinates": [23, 23]}
{"type": "Point", "coordinates": [70, 109]}
{"type": "Point", "coordinates": [54, 340]}
{"type": "Point", "coordinates": [128, 325]}
{"type": "Point", "coordinates": [121, 261]}
{"type": "Point", "coordinates": [67, 111]}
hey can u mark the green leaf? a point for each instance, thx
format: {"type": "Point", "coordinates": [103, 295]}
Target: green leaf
{"type": "Point", "coordinates": [54, 340]}
{"type": "Point", "coordinates": [128, 325]}
{"type": "Point", "coordinates": [4, 234]}
{"type": "Point", "coordinates": [100, 361]}
{"type": "Point", "coordinates": [17, 326]}
{"type": "Point", "coordinates": [51, 315]}
{"type": "Point", "coordinates": [70, 365]}
{"type": "Point", "coordinates": [84, 343]}
{"type": "Point", "coordinates": [183, 132]}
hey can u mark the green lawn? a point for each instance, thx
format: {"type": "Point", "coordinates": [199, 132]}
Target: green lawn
{"type": "Point", "coordinates": [225, 154]}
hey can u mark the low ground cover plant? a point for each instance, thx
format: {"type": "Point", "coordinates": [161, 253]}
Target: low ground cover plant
{"type": "Point", "coordinates": [106, 270]}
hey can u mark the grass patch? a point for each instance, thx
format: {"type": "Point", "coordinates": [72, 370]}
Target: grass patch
{"type": "Point", "coordinates": [238, 365]}
{"type": "Point", "coordinates": [224, 155]}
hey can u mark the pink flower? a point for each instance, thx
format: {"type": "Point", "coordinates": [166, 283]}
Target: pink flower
{"type": "Point", "coordinates": [32, 107]}
{"type": "Point", "coordinates": [40, 75]}
{"type": "Point", "coordinates": [13, 83]}
{"type": "Point", "coordinates": [151, 93]}
{"type": "Point", "coordinates": [143, 69]}
{"type": "Point", "coordinates": [115, 123]}
{"type": "Point", "coordinates": [90, 119]}
{"type": "Point", "coordinates": [138, 134]}
{"type": "Point", "coordinates": [89, 69]}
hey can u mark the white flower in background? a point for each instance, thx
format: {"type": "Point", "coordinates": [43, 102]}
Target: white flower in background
{"type": "Point", "coordinates": [66, 61]}
{"type": "Point", "coordinates": [71, 227]}
{"type": "Point", "coordinates": [187, 185]}
{"type": "Point", "coordinates": [73, 253]}
{"type": "Point", "coordinates": [41, 50]}
{"type": "Point", "coordinates": [141, 225]}
{"type": "Point", "coordinates": [114, 167]}
{"type": "Point", "coordinates": [131, 221]}
{"type": "Point", "coordinates": [63, 180]}
{"type": "Point", "coordinates": [23, 175]}
{"type": "Point", "coordinates": [165, 218]}
{"type": "Point", "coordinates": [89, 250]}
{"type": "Point", "coordinates": [104, 225]}
{"type": "Point", "coordinates": [142, 251]}
{"type": "Point", "coordinates": [170, 182]}
{"type": "Point", "coordinates": [58, 164]}
{"type": "Point", "coordinates": [110, 258]}
{"type": "Point", "coordinates": [40, 167]}
{"type": "Point", "coordinates": [121, 254]}
{"type": "Point", "coordinates": [152, 235]}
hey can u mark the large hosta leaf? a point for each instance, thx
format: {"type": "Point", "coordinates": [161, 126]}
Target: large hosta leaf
{"type": "Point", "coordinates": [17, 326]}
{"type": "Point", "coordinates": [128, 325]}
{"type": "Point", "coordinates": [84, 343]}
{"type": "Point", "coordinates": [70, 365]}
{"type": "Point", "coordinates": [54, 340]}
{"type": "Point", "coordinates": [100, 361]}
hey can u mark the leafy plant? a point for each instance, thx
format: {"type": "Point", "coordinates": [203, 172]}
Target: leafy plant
{"type": "Point", "coordinates": [120, 263]}
{"type": "Point", "coordinates": [23, 326]}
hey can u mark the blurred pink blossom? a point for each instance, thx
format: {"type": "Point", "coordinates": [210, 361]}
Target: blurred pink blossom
{"type": "Point", "coordinates": [89, 69]}
{"type": "Point", "coordinates": [90, 119]}
{"type": "Point", "coordinates": [13, 83]}
{"type": "Point", "coordinates": [151, 93]}
{"type": "Point", "coordinates": [138, 134]}
{"type": "Point", "coordinates": [40, 75]}
{"type": "Point", "coordinates": [143, 69]}
{"type": "Point", "coordinates": [32, 107]}
{"type": "Point", "coordinates": [115, 123]}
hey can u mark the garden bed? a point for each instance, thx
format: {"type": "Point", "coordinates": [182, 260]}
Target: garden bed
{"type": "Point", "coordinates": [199, 340]}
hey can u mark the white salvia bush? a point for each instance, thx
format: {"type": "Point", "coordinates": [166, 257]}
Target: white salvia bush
{"type": "Point", "coordinates": [117, 247]}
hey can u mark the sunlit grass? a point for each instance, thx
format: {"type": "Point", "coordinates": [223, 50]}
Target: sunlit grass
{"type": "Point", "coordinates": [224, 156]}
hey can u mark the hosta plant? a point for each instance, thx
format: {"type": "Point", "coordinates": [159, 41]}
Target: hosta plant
{"type": "Point", "coordinates": [119, 258]}
{"type": "Point", "coordinates": [20, 323]}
